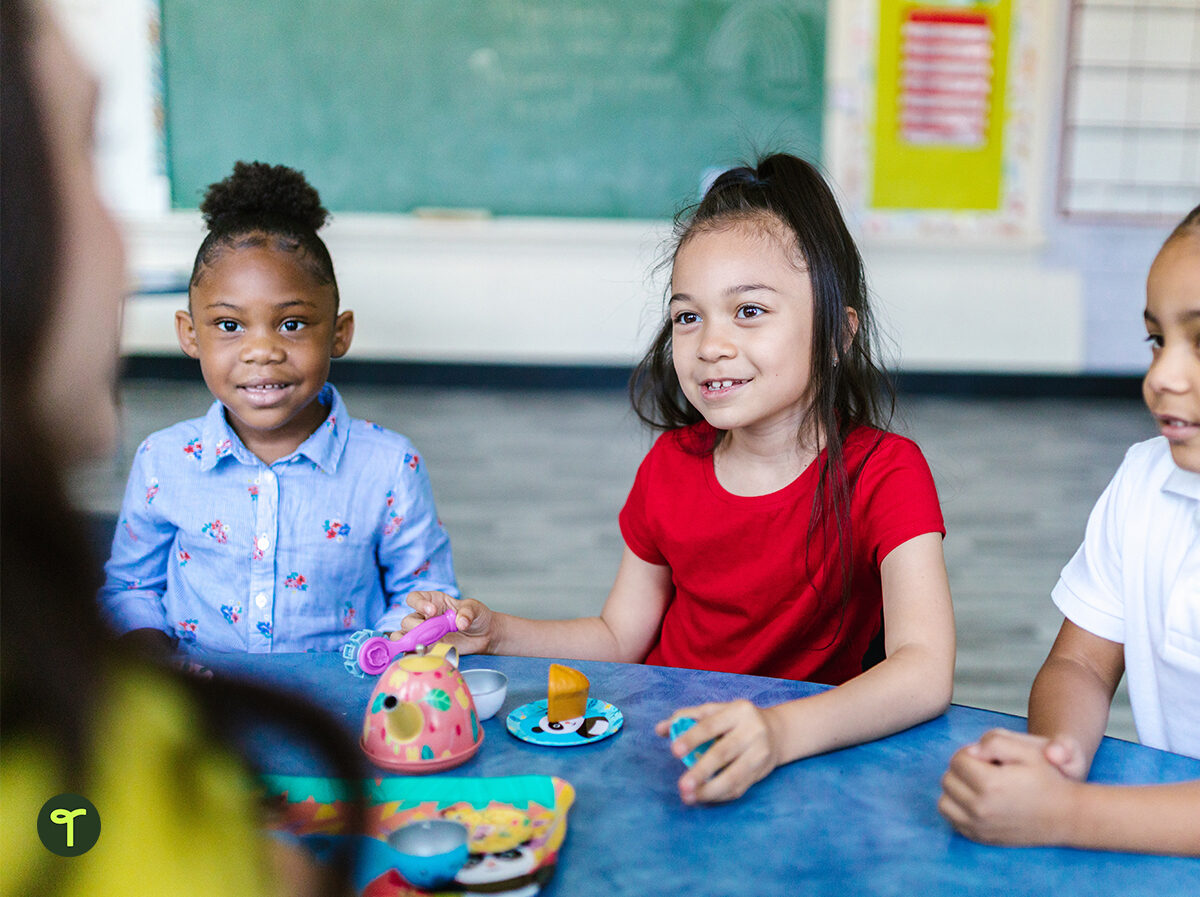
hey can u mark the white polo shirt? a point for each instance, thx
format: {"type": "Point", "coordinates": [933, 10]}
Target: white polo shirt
{"type": "Point", "coordinates": [1136, 580]}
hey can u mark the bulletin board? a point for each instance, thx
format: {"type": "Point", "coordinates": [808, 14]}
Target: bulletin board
{"type": "Point", "coordinates": [934, 127]}
{"type": "Point", "coordinates": [615, 109]}
{"type": "Point", "coordinates": [940, 103]}
{"type": "Point", "coordinates": [1131, 127]}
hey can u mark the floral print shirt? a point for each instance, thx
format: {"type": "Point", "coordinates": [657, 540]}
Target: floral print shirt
{"type": "Point", "coordinates": [226, 553]}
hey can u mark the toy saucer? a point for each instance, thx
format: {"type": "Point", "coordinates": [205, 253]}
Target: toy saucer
{"type": "Point", "coordinates": [600, 720]}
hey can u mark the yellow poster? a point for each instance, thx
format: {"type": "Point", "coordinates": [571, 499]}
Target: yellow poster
{"type": "Point", "coordinates": [939, 121]}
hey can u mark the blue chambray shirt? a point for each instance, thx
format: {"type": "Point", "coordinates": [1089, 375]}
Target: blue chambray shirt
{"type": "Point", "coordinates": [227, 553]}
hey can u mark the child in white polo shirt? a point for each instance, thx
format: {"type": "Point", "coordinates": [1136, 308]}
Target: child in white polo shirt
{"type": "Point", "coordinates": [1131, 598]}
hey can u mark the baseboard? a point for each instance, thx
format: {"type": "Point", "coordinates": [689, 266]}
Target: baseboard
{"type": "Point", "coordinates": [978, 384]}
{"type": "Point", "coordinates": [1019, 386]}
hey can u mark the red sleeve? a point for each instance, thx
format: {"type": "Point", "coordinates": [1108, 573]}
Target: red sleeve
{"type": "Point", "coordinates": [636, 526]}
{"type": "Point", "coordinates": [896, 498]}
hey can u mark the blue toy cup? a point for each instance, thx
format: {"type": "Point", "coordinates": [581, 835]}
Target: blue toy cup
{"type": "Point", "coordinates": [680, 726]}
{"type": "Point", "coordinates": [429, 853]}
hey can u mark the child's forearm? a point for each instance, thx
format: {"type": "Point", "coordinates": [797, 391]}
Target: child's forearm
{"type": "Point", "coordinates": [1137, 818]}
{"type": "Point", "coordinates": [584, 638]}
{"type": "Point", "coordinates": [911, 686]}
{"type": "Point", "coordinates": [1073, 690]}
{"type": "Point", "coordinates": [624, 631]}
{"type": "Point", "coordinates": [1068, 699]}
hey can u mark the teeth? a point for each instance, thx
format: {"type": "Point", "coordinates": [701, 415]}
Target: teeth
{"type": "Point", "coordinates": [720, 384]}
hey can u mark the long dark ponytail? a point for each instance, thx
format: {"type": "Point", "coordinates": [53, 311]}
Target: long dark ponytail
{"type": "Point", "coordinates": [849, 387]}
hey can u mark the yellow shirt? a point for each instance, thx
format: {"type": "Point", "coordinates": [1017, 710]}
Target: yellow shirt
{"type": "Point", "coordinates": [178, 815]}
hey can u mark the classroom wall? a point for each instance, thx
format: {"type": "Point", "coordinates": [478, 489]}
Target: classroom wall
{"type": "Point", "coordinates": [111, 36]}
{"type": "Point", "coordinates": [1066, 299]}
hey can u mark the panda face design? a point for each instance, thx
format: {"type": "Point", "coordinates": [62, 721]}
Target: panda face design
{"type": "Point", "coordinates": [492, 868]}
{"type": "Point", "coordinates": [583, 726]}
{"type": "Point", "coordinates": [564, 727]}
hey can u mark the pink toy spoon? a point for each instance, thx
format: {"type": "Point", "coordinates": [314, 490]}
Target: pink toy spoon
{"type": "Point", "coordinates": [376, 653]}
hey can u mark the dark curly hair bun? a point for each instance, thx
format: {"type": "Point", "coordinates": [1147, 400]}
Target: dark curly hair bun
{"type": "Point", "coordinates": [265, 205]}
{"type": "Point", "coordinates": [257, 190]}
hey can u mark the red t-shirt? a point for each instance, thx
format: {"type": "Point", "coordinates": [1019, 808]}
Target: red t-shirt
{"type": "Point", "coordinates": [739, 563]}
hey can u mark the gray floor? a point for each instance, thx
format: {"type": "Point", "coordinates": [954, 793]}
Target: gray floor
{"type": "Point", "coordinates": [529, 485]}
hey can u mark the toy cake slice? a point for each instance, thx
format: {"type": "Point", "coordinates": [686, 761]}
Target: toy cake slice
{"type": "Point", "coordinates": [566, 697]}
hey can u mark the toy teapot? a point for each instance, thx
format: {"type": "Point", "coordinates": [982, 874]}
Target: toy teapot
{"type": "Point", "coordinates": [421, 716]}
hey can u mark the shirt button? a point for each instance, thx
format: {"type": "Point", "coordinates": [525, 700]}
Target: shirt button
{"type": "Point", "coordinates": [268, 477]}
{"type": "Point", "coordinates": [261, 599]}
{"type": "Point", "coordinates": [263, 543]}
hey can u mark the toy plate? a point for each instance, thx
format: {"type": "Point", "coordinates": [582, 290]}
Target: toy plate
{"type": "Point", "coordinates": [600, 720]}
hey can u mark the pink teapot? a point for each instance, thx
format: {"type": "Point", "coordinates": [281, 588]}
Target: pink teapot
{"type": "Point", "coordinates": [421, 716]}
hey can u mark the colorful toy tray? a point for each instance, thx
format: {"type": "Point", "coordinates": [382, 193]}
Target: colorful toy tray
{"type": "Point", "coordinates": [516, 825]}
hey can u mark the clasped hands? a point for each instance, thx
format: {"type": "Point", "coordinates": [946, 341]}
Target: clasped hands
{"type": "Point", "coordinates": [1014, 789]}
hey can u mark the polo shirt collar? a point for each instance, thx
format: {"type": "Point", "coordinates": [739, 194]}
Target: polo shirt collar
{"type": "Point", "coordinates": [1183, 482]}
{"type": "Point", "coordinates": [324, 447]}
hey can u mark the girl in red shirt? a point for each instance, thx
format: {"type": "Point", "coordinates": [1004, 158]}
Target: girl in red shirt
{"type": "Point", "coordinates": [774, 528]}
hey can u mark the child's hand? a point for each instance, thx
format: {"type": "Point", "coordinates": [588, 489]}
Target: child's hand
{"type": "Point", "coordinates": [1004, 790]}
{"type": "Point", "coordinates": [152, 643]}
{"type": "Point", "coordinates": [746, 749]}
{"type": "Point", "coordinates": [1066, 755]}
{"type": "Point", "coordinates": [1062, 752]}
{"type": "Point", "coordinates": [473, 618]}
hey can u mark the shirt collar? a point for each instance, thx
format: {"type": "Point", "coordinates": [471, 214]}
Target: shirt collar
{"type": "Point", "coordinates": [324, 447]}
{"type": "Point", "coordinates": [1183, 482]}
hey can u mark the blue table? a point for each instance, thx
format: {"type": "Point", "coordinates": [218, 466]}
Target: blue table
{"type": "Point", "coordinates": [859, 821]}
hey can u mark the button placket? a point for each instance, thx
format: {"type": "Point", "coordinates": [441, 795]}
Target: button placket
{"type": "Point", "coordinates": [1181, 637]}
{"type": "Point", "coordinates": [261, 610]}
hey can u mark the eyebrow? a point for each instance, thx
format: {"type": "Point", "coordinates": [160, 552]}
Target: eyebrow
{"type": "Point", "coordinates": [279, 306]}
{"type": "Point", "coordinates": [1184, 318]}
{"type": "Point", "coordinates": [732, 291]}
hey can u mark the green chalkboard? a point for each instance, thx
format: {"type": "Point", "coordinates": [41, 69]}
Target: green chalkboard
{"type": "Point", "coordinates": [591, 108]}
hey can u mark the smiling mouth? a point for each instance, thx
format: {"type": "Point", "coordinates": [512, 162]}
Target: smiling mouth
{"type": "Point", "coordinates": [264, 394]}
{"type": "Point", "coordinates": [1175, 422]}
{"type": "Point", "coordinates": [718, 385]}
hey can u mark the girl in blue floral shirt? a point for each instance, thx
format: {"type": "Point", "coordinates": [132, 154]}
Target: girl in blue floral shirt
{"type": "Point", "coordinates": [276, 522]}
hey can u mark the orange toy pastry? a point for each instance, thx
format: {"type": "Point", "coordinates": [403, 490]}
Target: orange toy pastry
{"type": "Point", "coordinates": [566, 697]}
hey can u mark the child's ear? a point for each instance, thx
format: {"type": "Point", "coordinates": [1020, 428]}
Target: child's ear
{"type": "Point", "coordinates": [185, 332]}
{"type": "Point", "coordinates": [851, 327]}
{"type": "Point", "coordinates": [343, 333]}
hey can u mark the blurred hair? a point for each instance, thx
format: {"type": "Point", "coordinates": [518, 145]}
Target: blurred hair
{"type": "Point", "coordinates": [848, 387]}
{"type": "Point", "coordinates": [54, 651]}
{"type": "Point", "coordinates": [1190, 222]}
{"type": "Point", "coordinates": [49, 642]}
